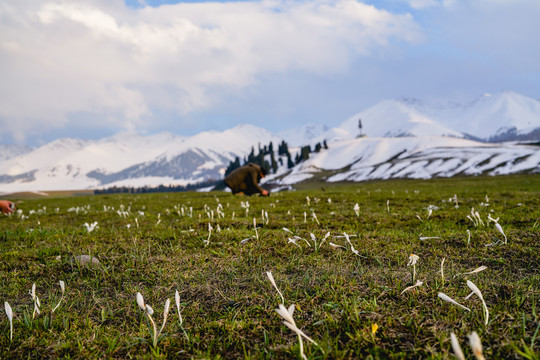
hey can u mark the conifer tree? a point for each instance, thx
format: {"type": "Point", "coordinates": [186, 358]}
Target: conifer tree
{"type": "Point", "coordinates": [273, 162]}
{"type": "Point", "coordinates": [290, 163]}
{"type": "Point", "coordinates": [305, 153]}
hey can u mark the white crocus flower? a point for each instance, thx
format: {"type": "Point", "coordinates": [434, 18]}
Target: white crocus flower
{"type": "Point", "coordinates": [351, 245]}
{"type": "Point", "coordinates": [357, 209]}
{"type": "Point", "coordinates": [456, 201]}
{"type": "Point", "coordinates": [255, 227]}
{"type": "Point", "coordinates": [477, 292]}
{"type": "Point", "coordinates": [455, 346]}
{"type": "Point", "coordinates": [9, 314]}
{"type": "Point", "coordinates": [293, 241]}
{"type": "Point", "coordinates": [412, 261]}
{"type": "Point", "coordinates": [37, 305]}
{"type": "Point", "coordinates": [490, 218]}
{"type": "Point", "coordinates": [177, 300]}
{"type": "Point", "coordinates": [91, 227]}
{"type": "Point", "coordinates": [498, 226]}
{"type": "Point", "coordinates": [287, 315]}
{"type": "Point", "coordinates": [287, 230]}
{"type": "Point", "coordinates": [418, 283]}
{"type": "Point", "coordinates": [442, 269]}
{"type": "Point", "coordinates": [63, 289]}
{"type": "Point", "coordinates": [301, 238]}
{"type": "Point", "coordinates": [476, 345]}
{"type": "Point", "coordinates": [477, 270]}
{"type": "Point", "coordinates": [479, 218]}
{"type": "Point", "coordinates": [148, 312]}
{"type": "Point", "coordinates": [428, 237]}
{"type": "Point", "coordinates": [140, 301]}
{"type": "Point", "coordinates": [315, 217]}
{"type": "Point", "coordinates": [501, 231]}
{"type": "Point", "coordinates": [35, 298]}
{"type": "Point", "coordinates": [335, 246]}
{"type": "Point", "coordinates": [207, 241]}
{"type": "Point", "coordinates": [450, 300]}
{"type": "Point", "coordinates": [165, 315]}
{"type": "Point", "coordinates": [324, 239]}
{"type": "Point", "coordinates": [273, 282]}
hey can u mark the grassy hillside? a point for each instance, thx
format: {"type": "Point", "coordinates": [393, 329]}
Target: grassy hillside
{"type": "Point", "coordinates": [348, 296]}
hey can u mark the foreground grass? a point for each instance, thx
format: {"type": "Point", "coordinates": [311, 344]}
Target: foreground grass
{"type": "Point", "coordinates": [350, 304]}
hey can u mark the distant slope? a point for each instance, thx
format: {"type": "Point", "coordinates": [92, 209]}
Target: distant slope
{"type": "Point", "coordinates": [130, 159]}
{"type": "Point", "coordinates": [307, 134]}
{"type": "Point", "coordinates": [395, 118]}
{"type": "Point", "coordinates": [504, 116]}
{"type": "Point", "coordinates": [10, 151]}
{"type": "Point", "coordinates": [423, 157]}
{"type": "Point", "coordinates": [403, 138]}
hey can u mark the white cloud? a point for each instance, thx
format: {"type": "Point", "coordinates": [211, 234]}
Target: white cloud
{"type": "Point", "coordinates": [59, 58]}
{"type": "Point", "coordinates": [422, 4]}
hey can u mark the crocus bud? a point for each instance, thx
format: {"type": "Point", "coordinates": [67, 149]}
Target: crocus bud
{"type": "Point", "coordinates": [140, 301]}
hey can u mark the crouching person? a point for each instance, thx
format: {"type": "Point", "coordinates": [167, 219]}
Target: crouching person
{"type": "Point", "coordinates": [245, 180]}
{"type": "Point", "coordinates": [7, 207]}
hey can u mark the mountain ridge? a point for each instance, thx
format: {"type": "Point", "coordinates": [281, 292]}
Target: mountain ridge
{"type": "Point", "coordinates": [165, 158]}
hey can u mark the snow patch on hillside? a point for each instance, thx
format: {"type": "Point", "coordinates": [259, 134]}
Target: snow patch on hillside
{"type": "Point", "coordinates": [419, 158]}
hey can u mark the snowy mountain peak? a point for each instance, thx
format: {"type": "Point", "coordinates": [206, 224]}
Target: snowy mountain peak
{"type": "Point", "coordinates": [491, 117]}
{"type": "Point", "coordinates": [387, 140]}
{"type": "Point", "coordinates": [307, 134]}
{"type": "Point", "coordinates": [396, 118]}
{"type": "Point", "coordinates": [494, 116]}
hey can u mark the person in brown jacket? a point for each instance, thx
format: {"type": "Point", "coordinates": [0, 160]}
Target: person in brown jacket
{"type": "Point", "coordinates": [245, 180]}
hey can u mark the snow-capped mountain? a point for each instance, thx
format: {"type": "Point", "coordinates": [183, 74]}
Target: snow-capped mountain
{"type": "Point", "coordinates": [130, 159]}
{"type": "Point", "coordinates": [307, 134]}
{"type": "Point", "coordinates": [504, 116]}
{"type": "Point", "coordinates": [414, 157]}
{"type": "Point", "coordinates": [499, 117]}
{"type": "Point", "coordinates": [10, 151]}
{"type": "Point", "coordinates": [396, 118]}
{"type": "Point", "coordinates": [397, 138]}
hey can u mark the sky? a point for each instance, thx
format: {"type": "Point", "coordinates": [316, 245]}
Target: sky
{"type": "Point", "coordinates": [93, 68]}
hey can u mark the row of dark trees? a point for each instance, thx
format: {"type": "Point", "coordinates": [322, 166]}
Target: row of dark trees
{"type": "Point", "coordinates": [270, 166]}
{"type": "Point", "coordinates": [156, 189]}
{"type": "Point", "coordinates": [303, 155]}
{"type": "Point", "coordinates": [283, 150]}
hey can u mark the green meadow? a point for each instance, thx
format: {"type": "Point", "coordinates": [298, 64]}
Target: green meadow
{"type": "Point", "coordinates": [345, 269]}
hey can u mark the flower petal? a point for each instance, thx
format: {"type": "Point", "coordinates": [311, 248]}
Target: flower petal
{"type": "Point", "coordinates": [140, 301]}
{"type": "Point", "coordinates": [455, 346]}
